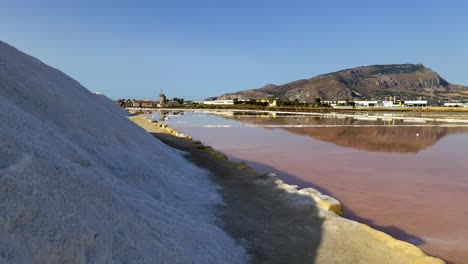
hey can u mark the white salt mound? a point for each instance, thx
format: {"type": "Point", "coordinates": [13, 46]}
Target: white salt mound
{"type": "Point", "coordinates": [79, 183]}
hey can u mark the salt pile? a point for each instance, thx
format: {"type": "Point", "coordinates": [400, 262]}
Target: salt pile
{"type": "Point", "coordinates": [79, 183]}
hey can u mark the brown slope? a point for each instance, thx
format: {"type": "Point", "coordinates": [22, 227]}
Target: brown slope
{"type": "Point", "coordinates": [407, 81]}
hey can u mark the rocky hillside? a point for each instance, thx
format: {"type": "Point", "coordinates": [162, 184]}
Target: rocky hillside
{"type": "Point", "coordinates": [407, 81]}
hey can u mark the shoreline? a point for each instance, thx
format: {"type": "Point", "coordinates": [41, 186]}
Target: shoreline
{"type": "Point", "coordinates": [337, 113]}
{"type": "Point", "coordinates": [299, 216]}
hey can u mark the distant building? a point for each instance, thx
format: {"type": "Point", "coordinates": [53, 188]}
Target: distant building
{"type": "Point", "coordinates": [453, 104]}
{"type": "Point", "coordinates": [162, 100]}
{"type": "Point", "coordinates": [366, 103]}
{"type": "Point", "coordinates": [172, 103]}
{"type": "Point", "coordinates": [387, 104]}
{"type": "Point", "coordinates": [219, 102]}
{"type": "Point", "coordinates": [142, 103]}
{"type": "Point", "coordinates": [456, 104]}
{"type": "Point", "coordinates": [335, 102]}
{"type": "Point", "coordinates": [418, 103]}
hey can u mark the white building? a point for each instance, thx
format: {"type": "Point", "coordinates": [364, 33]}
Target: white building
{"type": "Point", "coordinates": [366, 103]}
{"type": "Point", "coordinates": [454, 104]}
{"type": "Point", "coordinates": [389, 104]}
{"type": "Point", "coordinates": [335, 103]}
{"type": "Point", "coordinates": [219, 102]}
{"type": "Point", "coordinates": [415, 103]}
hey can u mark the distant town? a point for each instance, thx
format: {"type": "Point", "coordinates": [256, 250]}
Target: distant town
{"type": "Point", "coordinates": [389, 102]}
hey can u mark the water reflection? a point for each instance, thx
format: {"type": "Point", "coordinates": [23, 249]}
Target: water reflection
{"type": "Point", "coordinates": [385, 139]}
{"type": "Point", "coordinates": [163, 115]}
{"type": "Point", "coordinates": [369, 133]}
{"type": "Point", "coordinates": [382, 135]}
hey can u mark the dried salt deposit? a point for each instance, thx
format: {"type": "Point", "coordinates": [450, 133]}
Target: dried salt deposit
{"type": "Point", "coordinates": [79, 183]}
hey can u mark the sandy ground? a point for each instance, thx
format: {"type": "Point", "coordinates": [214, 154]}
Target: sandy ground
{"type": "Point", "coordinates": [276, 226]}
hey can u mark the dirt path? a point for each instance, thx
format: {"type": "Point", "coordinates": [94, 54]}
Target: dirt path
{"type": "Point", "coordinates": [280, 225]}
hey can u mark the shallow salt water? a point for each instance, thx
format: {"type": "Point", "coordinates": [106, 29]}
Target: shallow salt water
{"type": "Point", "coordinates": [405, 177]}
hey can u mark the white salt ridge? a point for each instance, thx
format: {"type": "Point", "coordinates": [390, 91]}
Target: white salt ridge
{"type": "Point", "coordinates": [79, 183]}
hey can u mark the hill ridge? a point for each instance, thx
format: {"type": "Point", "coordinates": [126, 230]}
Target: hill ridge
{"type": "Point", "coordinates": [408, 81]}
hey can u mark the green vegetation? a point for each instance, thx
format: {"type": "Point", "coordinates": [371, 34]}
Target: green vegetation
{"type": "Point", "coordinates": [279, 94]}
{"type": "Point", "coordinates": [396, 69]}
{"type": "Point", "coordinates": [347, 103]}
{"type": "Point", "coordinates": [178, 100]}
{"type": "Point", "coordinates": [125, 102]}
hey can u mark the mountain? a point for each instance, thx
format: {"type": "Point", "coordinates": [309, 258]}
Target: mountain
{"type": "Point", "coordinates": [80, 183]}
{"type": "Point", "coordinates": [406, 81]}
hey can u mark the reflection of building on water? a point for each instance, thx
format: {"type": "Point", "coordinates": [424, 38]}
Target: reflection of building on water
{"type": "Point", "coordinates": [163, 116]}
{"type": "Point", "coordinates": [222, 113]}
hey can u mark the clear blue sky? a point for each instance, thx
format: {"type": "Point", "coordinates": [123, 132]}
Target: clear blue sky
{"type": "Point", "coordinates": [196, 49]}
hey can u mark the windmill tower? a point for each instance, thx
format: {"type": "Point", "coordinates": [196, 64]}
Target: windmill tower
{"type": "Point", "coordinates": [162, 99]}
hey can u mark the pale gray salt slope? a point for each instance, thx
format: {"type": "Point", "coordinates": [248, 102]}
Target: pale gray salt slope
{"type": "Point", "coordinates": [79, 183]}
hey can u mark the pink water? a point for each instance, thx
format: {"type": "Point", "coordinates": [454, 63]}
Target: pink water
{"type": "Point", "coordinates": [418, 194]}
